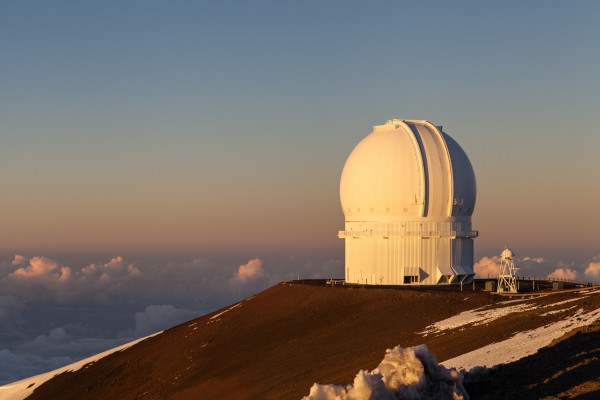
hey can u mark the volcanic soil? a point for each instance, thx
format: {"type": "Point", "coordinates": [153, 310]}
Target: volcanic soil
{"type": "Point", "coordinates": [276, 344]}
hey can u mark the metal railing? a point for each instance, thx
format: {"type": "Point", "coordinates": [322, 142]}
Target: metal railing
{"type": "Point", "coordinates": [544, 279]}
{"type": "Point", "coordinates": [417, 233]}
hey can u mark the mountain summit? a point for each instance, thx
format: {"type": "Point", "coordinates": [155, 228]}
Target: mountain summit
{"type": "Point", "coordinates": [277, 344]}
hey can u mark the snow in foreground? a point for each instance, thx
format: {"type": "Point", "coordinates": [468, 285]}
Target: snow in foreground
{"type": "Point", "coordinates": [414, 373]}
{"type": "Point", "coordinates": [404, 373]}
{"type": "Point", "coordinates": [487, 314]}
{"type": "Point", "coordinates": [522, 344]}
{"type": "Point", "coordinates": [21, 389]}
{"type": "Point", "coordinates": [478, 316]}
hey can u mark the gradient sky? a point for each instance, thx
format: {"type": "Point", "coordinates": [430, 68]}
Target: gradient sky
{"type": "Point", "coordinates": [160, 160]}
{"type": "Point", "coordinates": [147, 126]}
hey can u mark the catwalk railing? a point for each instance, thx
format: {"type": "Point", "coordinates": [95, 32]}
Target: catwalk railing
{"type": "Point", "coordinates": [545, 279]}
{"type": "Point", "coordinates": [400, 234]}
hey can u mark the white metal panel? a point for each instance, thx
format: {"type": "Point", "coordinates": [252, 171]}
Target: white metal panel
{"type": "Point", "coordinates": [382, 177]}
{"type": "Point", "coordinates": [459, 270]}
{"type": "Point", "coordinates": [445, 270]}
{"type": "Point", "coordinates": [465, 186]}
{"type": "Point", "coordinates": [399, 191]}
{"type": "Point", "coordinates": [437, 169]}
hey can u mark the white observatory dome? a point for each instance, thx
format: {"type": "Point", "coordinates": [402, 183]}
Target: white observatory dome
{"type": "Point", "coordinates": [407, 169]}
{"type": "Point", "coordinates": [507, 254]}
{"type": "Point", "coordinates": [408, 192]}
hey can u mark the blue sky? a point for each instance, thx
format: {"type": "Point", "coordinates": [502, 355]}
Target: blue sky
{"type": "Point", "coordinates": [163, 115]}
{"type": "Point", "coordinates": [167, 132]}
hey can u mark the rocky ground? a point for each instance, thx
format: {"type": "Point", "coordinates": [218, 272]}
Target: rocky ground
{"type": "Point", "coordinates": [276, 344]}
{"type": "Point", "coordinates": [567, 369]}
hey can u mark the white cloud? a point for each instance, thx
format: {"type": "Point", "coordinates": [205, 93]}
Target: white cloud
{"type": "Point", "coordinates": [535, 267]}
{"type": "Point", "coordinates": [251, 271]}
{"type": "Point", "coordinates": [42, 277]}
{"type": "Point", "coordinates": [65, 274]}
{"type": "Point", "coordinates": [132, 270]}
{"type": "Point", "coordinates": [593, 270]}
{"type": "Point", "coordinates": [48, 352]}
{"type": "Point", "coordinates": [10, 316]}
{"type": "Point", "coordinates": [56, 336]}
{"type": "Point", "coordinates": [19, 260]}
{"type": "Point", "coordinates": [120, 280]}
{"type": "Point", "coordinates": [99, 304]}
{"type": "Point", "coordinates": [41, 267]}
{"type": "Point", "coordinates": [404, 373]}
{"type": "Point", "coordinates": [45, 278]}
{"type": "Point", "coordinates": [487, 267]}
{"type": "Point", "coordinates": [116, 268]}
{"type": "Point", "coordinates": [158, 317]}
{"type": "Point", "coordinates": [534, 259]}
{"type": "Point", "coordinates": [563, 273]}
{"type": "Point", "coordinates": [15, 366]}
{"type": "Point", "coordinates": [116, 262]}
{"type": "Point", "coordinates": [63, 341]}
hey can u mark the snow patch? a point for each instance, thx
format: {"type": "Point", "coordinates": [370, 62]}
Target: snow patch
{"type": "Point", "coordinates": [484, 315]}
{"type": "Point", "coordinates": [564, 302]}
{"type": "Point", "coordinates": [404, 373]}
{"type": "Point", "coordinates": [522, 344]}
{"type": "Point", "coordinates": [223, 312]}
{"type": "Point", "coordinates": [594, 291]}
{"type": "Point", "coordinates": [514, 301]}
{"type": "Point", "coordinates": [477, 316]}
{"type": "Point", "coordinates": [557, 311]}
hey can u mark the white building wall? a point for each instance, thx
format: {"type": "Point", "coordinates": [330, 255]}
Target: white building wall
{"type": "Point", "coordinates": [408, 191]}
{"type": "Point", "coordinates": [386, 252]}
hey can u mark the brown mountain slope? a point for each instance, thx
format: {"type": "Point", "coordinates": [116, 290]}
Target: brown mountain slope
{"type": "Point", "coordinates": [569, 369]}
{"type": "Point", "coordinates": [276, 344]}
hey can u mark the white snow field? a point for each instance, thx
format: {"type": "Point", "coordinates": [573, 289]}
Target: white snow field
{"type": "Point", "coordinates": [404, 373]}
{"type": "Point", "coordinates": [21, 389]}
{"type": "Point", "coordinates": [410, 380]}
{"type": "Point", "coordinates": [522, 344]}
{"type": "Point", "coordinates": [413, 373]}
{"type": "Point", "coordinates": [486, 314]}
{"type": "Point", "coordinates": [478, 316]}
{"type": "Point", "coordinates": [216, 317]}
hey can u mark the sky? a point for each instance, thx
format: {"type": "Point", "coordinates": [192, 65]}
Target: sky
{"type": "Point", "coordinates": [162, 159]}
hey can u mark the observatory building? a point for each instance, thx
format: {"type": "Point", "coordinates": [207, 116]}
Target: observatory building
{"type": "Point", "coordinates": [408, 192]}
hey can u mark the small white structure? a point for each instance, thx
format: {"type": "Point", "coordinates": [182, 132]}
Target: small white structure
{"type": "Point", "coordinates": [408, 192]}
{"type": "Point", "coordinates": [507, 278]}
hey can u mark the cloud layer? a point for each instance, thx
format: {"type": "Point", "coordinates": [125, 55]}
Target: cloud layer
{"type": "Point", "coordinates": [487, 267]}
{"type": "Point", "coordinates": [593, 270]}
{"type": "Point", "coordinates": [561, 273]}
{"type": "Point", "coordinates": [251, 271]}
{"type": "Point", "coordinates": [158, 317]}
{"type": "Point", "coordinates": [52, 312]}
{"type": "Point", "coordinates": [538, 267]}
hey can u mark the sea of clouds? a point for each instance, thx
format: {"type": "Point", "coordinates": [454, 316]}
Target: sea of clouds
{"type": "Point", "coordinates": [542, 268]}
{"type": "Point", "coordinates": [53, 313]}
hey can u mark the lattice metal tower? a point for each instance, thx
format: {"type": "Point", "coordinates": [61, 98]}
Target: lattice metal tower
{"type": "Point", "coordinates": [507, 278]}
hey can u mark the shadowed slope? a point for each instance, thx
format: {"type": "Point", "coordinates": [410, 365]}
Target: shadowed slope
{"type": "Point", "coordinates": [278, 343]}
{"type": "Point", "coordinates": [568, 369]}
